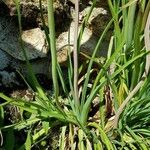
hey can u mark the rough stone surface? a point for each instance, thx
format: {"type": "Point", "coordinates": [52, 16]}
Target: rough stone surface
{"type": "Point", "coordinates": [33, 37]}
{"type": "Point", "coordinates": [92, 32]}
{"type": "Point", "coordinates": [30, 11]}
{"type": "Point", "coordinates": [4, 60]}
{"type": "Point", "coordinates": [8, 78]}
{"type": "Point", "coordinates": [33, 42]}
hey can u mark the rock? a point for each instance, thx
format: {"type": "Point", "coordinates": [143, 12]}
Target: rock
{"type": "Point", "coordinates": [96, 25]}
{"type": "Point", "coordinates": [5, 59]}
{"type": "Point", "coordinates": [34, 41]}
{"type": "Point", "coordinates": [7, 79]}
{"type": "Point", "coordinates": [30, 11]}
{"type": "Point", "coordinates": [88, 41]}
{"type": "Point", "coordinates": [11, 54]}
{"type": "Point", "coordinates": [83, 1]}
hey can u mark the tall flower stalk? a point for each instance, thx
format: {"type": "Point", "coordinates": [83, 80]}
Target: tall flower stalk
{"type": "Point", "coordinates": [75, 52]}
{"type": "Point", "coordinates": [51, 24]}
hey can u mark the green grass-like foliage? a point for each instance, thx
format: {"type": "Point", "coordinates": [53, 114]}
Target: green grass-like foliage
{"type": "Point", "coordinates": [128, 125]}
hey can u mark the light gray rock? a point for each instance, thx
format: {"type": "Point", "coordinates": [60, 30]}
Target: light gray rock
{"type": "Point", "coordinates": [34, 42]}
{"type": "Point", "coordinates": [92, 32]}
{"type": "Point", "coordinates": [11, 54]}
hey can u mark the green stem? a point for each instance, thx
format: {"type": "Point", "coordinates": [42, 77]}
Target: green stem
{"type": "Point", "coordinates": [51, 24]}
